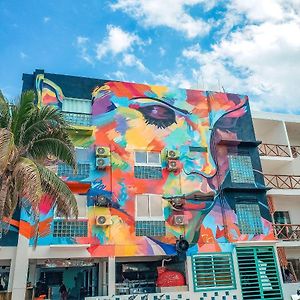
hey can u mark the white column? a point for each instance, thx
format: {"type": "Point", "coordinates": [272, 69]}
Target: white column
{"type": "Point", "coordinates": [111, 276]}
{"type": "Point", "coordinates": [189, 274]}
{"type": "Point", "coordinates": [32, 272]}
{"type": "Point", "coordinates": [11, 272]}
{"type": "Point", "coordinates": [20, 270]}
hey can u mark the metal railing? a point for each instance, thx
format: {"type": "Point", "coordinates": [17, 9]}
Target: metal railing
{"type": "Point", "coordinates": [282, 181]}
{"type": "Point", "coordinates": [274, 150]}
{"type": "Point", "coordinates": [78, 118]}
{"type": "Point", "coordinates": [295, 151]}
{"type": "Point", "coordinates": [287, 232]}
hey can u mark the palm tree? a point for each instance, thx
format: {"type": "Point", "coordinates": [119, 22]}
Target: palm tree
{"type": "Point", "coordinates": [28, 136]}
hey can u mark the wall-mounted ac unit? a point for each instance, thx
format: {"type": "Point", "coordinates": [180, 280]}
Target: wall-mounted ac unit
{"type": "Point", "coordinates": [172, 154]}
{"type": "Point", "coordinates": [101, 201]}
{"type": "Point", "coordinates": [179, 220]}
{"type": "Point", "coordinates": [103, 220]}
{"type": "Point", "coordinates": [102, 162]}
{"type": "Point", "coordinates": [102, 151]}
{"type": "Point", "coordinates": [173, 165]}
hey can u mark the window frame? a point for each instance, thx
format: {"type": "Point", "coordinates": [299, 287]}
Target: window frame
{"type": "Point", "coordinates": [241, 155]}
{"type": "Point", "coordinates": [147, 158]}
{"type": "Point", "coordinates": [250, 201]}
{"type": "Point", "coordinates": [77, 99]}
{"type": "Point", "coordinates": [56, 217]}
{"type": "Point", "coordinates": [215, 287]}
{"type": "Point", "coordinates": [149, 218]}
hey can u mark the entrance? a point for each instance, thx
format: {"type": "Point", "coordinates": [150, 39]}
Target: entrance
{"type": "Point", "coordinates": [259, 273]}
{"type": "Point", "coordinates": [80, 278]}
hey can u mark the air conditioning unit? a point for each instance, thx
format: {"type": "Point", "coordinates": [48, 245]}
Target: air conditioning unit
{"type": "Point", "coordinates": [102, 151]}
{"type": "Point", "coordinates": [172, 154]}
{"type": "Point", "coordinates": [179, 220]}
{"type": "Point", "coordinates": [103, 220]}
{"type": "Point", "coordinates": [173, 165]}
{"type": "Point", "coordinates": [101, 200]}
{"type": "Point", "coordinates": [102, 162]}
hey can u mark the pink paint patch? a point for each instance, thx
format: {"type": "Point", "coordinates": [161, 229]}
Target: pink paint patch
{"type": "Point", "coordinates": [45, 204]}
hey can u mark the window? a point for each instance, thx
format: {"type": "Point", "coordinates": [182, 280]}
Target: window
{"type": "Point", "coordinates": [82, 207]}
{"type": "Point", "coordinates": [83, 170]}
{"type": "Point", "coordinates": [83, 106]}
{"type": "Point", "coordinates": [213, 271]}
{"type": "Point", "coordinates": [77, 111]}
{"type": "Point", "coordinates": [149, 207]}
{"type": "Point", "coordinates": [147, 165]}
{"type": "Point", "coordinates": [70, 228]}
{"type": "Point", "coordinates": [249, 218]}
{"type": "Point", "coordinates": [241, 170]}
{"type": "Point", "coordinates": [293, 273]}
{"type": "Point", "coordinates": [149, 216]}
{"type": "Point", "coordinates": [282, 217]}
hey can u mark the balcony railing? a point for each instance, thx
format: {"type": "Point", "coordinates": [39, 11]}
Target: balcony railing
{"type": "Point", "coordinates": [274, 150]}
{"type": "Point", "coordinates": [78, 118]}
{"type": "Point", "coordinates": [295, 151]}
{"type": "Point", "coordinates": [282, 181]}
{"type": "Point", "coordinates": [287, 232]}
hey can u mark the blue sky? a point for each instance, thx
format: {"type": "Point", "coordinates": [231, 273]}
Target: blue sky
{"type": "Point", "coordinates": [247, 47]}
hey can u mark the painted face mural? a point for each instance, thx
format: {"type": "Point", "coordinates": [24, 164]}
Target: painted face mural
{"type": "Point", "coordinates": [140, 125]}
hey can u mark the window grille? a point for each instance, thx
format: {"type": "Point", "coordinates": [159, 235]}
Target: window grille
{"type": "Point", "coordinates": [258, 273]}
{"type": "Point", "coordinates": [150, 228]}
{"type": "Point", "coordinates": [78, 118]}
{"type": "Point", "coordinates": [83, 170]}
{"type": "Point", "coordinates": [146, 172]}
{"type": "Point", "coordinates": [249, 218]}
{"type": "Point", "coordinates": [214, 271]}
{"type": "Point", "coordinates": [70, 228]}
{"type": "Point", "coordinates": [241, 170]}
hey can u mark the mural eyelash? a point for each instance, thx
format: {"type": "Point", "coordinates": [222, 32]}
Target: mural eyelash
{"type": "Point", "coordinates": [158, 115]}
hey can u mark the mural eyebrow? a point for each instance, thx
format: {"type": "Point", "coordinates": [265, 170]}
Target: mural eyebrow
{"type": "Point", "coordinates": [166, 103]}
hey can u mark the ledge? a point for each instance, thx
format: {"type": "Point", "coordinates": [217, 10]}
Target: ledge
{"type": "Point", "coordinates": [243, 143]}
{"type": "Point", "coordinates": [75, 246]}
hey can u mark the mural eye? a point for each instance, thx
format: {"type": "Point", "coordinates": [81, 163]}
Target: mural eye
{"type": "Point", "coordinates": [158, 115]}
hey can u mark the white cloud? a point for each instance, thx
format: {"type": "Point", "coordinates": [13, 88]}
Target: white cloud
{"type": "Point", "coordinates": [117, 41]}
{"type": "Point", "coordinates": [46, 19]}
{"type": "Point", "coordinates": [169, 13]}
{"type": "Point", "coordinates": [81, 43]}
{"type": "Point", "coordinates": [162, 51]}
{"type": "Point", "coordinates": [131, 60]}
{"type": "Point", "coordinates": [23, 55]}
{"type": "Point", "coordinates": [262, 58]}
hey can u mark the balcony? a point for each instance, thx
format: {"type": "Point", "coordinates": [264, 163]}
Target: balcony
{"type": "Point", "coordinates": [78, 119]}
{"type": "Point", "coordinates": [287, 232]}
{"type": "Point", "coordinates": [282, 181]}
{"type": "Point", "coordinates": [274, 150]}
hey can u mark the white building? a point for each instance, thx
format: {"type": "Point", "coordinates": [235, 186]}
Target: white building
{"type": "Point", "coordinates": [280, 158]}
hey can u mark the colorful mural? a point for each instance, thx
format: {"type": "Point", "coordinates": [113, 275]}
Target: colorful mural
{"type": "Point", "coordinates": [129, 118]}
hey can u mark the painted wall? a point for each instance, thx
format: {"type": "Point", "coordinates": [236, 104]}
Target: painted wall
{"type": "Point", "coordinates": [129, 117]}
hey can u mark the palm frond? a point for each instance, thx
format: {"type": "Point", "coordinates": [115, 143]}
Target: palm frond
{"type": "Point", "coordinates": [21, 112]}
{"type": "Point", "coordinates": [59, 191]}
{"type": "Point", "coordinates": [4, 112]}
{"type": "Point", "coordinates": [26, 173]}
{"type": "Point", "coordinates": [62, 150]}
{"type": "Point", "coordinates": [6, 149]}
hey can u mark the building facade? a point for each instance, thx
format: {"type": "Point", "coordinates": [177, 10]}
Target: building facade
{"type": "Point", "coordinates": [171, 196]}
{"type": "Point", "coordinates": [279, 151]}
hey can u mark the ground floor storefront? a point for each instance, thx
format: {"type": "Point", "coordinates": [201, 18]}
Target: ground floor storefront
{"type": "Point", "coordinates": [244, 273]}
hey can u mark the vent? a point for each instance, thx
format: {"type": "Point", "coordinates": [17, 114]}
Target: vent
{"type": "Point", "coordinates": [102, 162]}
{"type": "Point", "coordinates": [172, 154]}
{"type": "Point", "coordinates": [102, 151]}
{"type": "Point", "coordinates": [258, 273]}
{"type": "Point", "coordinates": [103, 220]}
{"type": "Point", "coordinates": [179, 220]}
{"type": "Point", "coordinates": [173, 165]}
